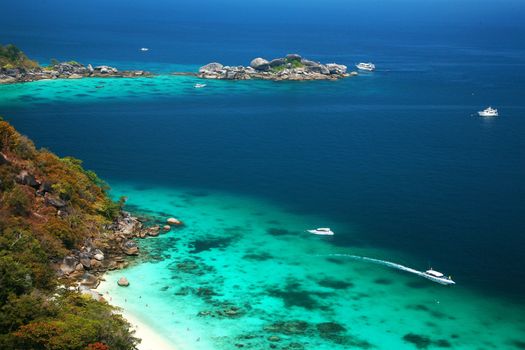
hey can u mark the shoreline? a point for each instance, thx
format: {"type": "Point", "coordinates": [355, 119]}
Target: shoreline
{"type": "Point", "coordinates": [150, 338]}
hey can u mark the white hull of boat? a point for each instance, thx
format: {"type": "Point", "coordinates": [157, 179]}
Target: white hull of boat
{"type": "Point", "coordinates": [440, 280]}
{"type": "Point", "coordinates": [485, 114]}
{"type": "Point", "coordinates": [368, 67]}
{"type": "Point", "coordinates": [321, 233]}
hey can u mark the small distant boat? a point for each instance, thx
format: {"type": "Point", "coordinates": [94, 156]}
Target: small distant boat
{"type": "Point", "coordinates": [370, 67]}
{"type": "Point", "coordinates": [144, 49]}
{"type": "Point", "coordinates": [489, 112]}
{"type": "Point", "coordinates": [437, 276]}
{"type": "Point", "coordinates": [325, 231]}
{"type": "Point", "coordinates": [198, 86]}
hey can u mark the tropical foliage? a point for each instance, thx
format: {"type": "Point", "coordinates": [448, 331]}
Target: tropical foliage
{"type": "Point", "coordinates": [12, 57]}
{"type": "Point", "coordinates": [48, 206]}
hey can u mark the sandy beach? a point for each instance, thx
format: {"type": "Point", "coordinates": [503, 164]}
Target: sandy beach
{"type": "Point", "coordinates": [151, 340]}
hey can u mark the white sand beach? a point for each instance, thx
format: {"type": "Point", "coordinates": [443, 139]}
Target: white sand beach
{"type": "Point", "coordinates": [151, 340]}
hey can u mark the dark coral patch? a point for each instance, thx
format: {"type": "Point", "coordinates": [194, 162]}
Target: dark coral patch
{"type": "Point", "coordinates": [201, 245]}
{"type": "Point", "coordinates": [258, 256]}
{"type": "Point", "coordinates": [293, 295]}
{"type": "Point", "coordinates": [382, 281]}
{"type": "Point", "coordinates": [518, 344]}
{"type": "Point", "coordinates": [334, 284]}
{"type": "Point", "coordinates": [278, 232]}
{"type": "Point", "coordinates": [335, 261]}
{"type": "Point", "coordinates": [295, 298]}
{"type": "Point", "coordinates": [420, 341]}
{"type": "Point", "coordinates": [443, 343]}
{"type": "Point", "coordinates": [330, 328]}
{"type": "Point", "coordinates": [288, 327]}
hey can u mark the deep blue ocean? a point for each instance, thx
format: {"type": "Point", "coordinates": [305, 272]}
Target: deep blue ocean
{"type": "Point", "coordinates": [398, 154]}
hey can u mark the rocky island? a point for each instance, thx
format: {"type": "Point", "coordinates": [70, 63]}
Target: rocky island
{"type": "Point", "coordinates": [16, 67]}
{"type": "Point", "coordinates": [291, 67]}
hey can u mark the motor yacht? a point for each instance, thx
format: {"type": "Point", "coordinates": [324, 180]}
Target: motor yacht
{"type": "Point", "coordinates": [366, 66]}
{"type": "Point", "coordinates": [437, 276]}
{"type": "Point", "coordinates": [198, 86]}
{"type": "Point", "coordinates": [325, 231]}
{"type": "Point", "coordinates": [489, 112]}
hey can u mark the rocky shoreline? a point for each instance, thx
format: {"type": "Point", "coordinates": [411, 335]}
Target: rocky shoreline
{"type": "Point", "coordinates": [65, 70]}
{"type": "Point", "coordinates": [292, 67]}
{"type": "Point", "coordinates": [83, 269]}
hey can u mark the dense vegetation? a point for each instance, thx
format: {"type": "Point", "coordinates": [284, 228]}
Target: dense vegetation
{"type": "Point", "coordinates": [12, 57]}
{"type": "Point", "coordinates": [48, 206]}
{"type": "Point", "coordinates": [293, 62]}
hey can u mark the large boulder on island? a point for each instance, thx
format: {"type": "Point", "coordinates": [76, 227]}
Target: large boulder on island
{"type": "Point", "coordinates": [277, 62]}
{"type": "Point", "coordinates": [336, 68]}
{"type": "Point", "coordinates": [105, 70]}
{"type": "Point", "coordinates": [293, 57]}
{"type": "Point", "coordinates": [260, 64]}
{"type": "Point", "coordinates": [211, 67]}
{"type": "Point", "coordinates": [123, 282]}
{"type": "Point", "coordinates": [321, 68]}
{"type": "Point", "coordinates": [309, 63]}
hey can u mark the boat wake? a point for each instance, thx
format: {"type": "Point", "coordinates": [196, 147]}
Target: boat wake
{"type": "Point", "coordinates": [427, 275]}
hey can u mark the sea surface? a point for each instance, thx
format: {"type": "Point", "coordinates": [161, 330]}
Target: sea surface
{"type": "Point", "coordinates": [396, 162]}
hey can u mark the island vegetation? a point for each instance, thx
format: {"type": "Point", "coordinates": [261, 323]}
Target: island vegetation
{"type": "Point", "coordinates": [51, 210]}
{"type": "Point", "coordinates": [12, 57]}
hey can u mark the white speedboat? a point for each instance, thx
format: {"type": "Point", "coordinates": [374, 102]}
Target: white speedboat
{"type": "Point", "coordinates": [325, 231]}
{"type": "Point", "coordinates": [144, 49]}
{"type": "Point", "coordinates": [437, 276]}
{"type": "Point", "coordinates": [489, 112]}
{"type": "Point", "coordinates": [198, 86]}
{"type": "Point", "coordinates": [366, 66]}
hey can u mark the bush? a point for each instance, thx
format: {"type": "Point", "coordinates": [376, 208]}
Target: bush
{"type": "Point", "coordinates": [19, 201]}
{"type": "Point", "coordinates": [15, 278]}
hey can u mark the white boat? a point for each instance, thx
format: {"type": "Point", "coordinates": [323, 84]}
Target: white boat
{"type": "Point", "coordinates": [366, 66]}
{"type": "Point", "coordinates": [144, 49]}
{"type": "Point", "coordinates": [325, 231]}
{"type": "Point", "coordinates": [438, 277]}
{"type": "Point", "coordinates": [489, 112]}
{"type": "Point", "coordinates": [198, 86]}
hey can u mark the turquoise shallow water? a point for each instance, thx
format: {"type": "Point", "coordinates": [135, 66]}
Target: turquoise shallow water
{"type": "Point", "coordinates": [255, 255]}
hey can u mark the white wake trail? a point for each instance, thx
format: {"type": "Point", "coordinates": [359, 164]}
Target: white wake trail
{"type": "Point", "coordinates": [383, 262]}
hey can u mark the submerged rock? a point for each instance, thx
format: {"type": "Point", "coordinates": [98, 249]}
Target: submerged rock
{"type": "Point", "coordinates": [174, 221]}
